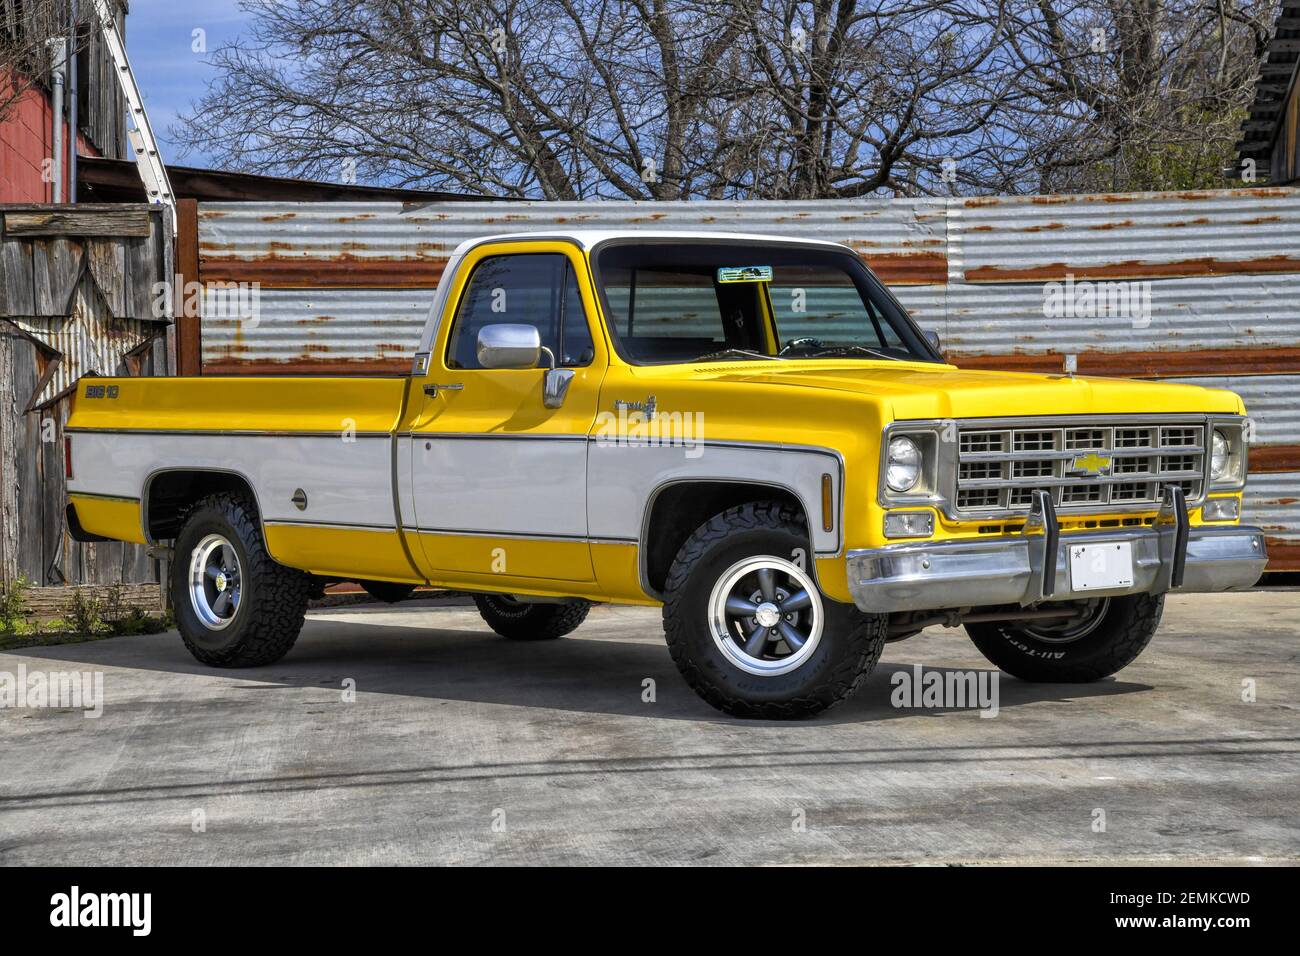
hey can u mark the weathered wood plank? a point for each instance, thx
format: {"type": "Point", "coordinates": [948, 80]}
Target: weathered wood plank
{"type": "Point", "coordinates": [108, 562]}
{"type": "Point", "coordinates": [9, 413]}
{"type": "Point", "coordinates": [27, 470]}
{"type": "Point", "coordinates": [107, 263]}
{"type": "Point", "coordinates": [56, 266]}
{"type": "Point", "coordinates": [79, 224]}
{"type": "Point", "coordinates": [142, 272]}
{"type": "Point", "coordinates": [45, 603]}
{"type": "Point", "coordinates": [189, 329]}
{"type": "Point", "coordinates": [50, 435]}
{"type": "Point", "coordinates": [16, 296]}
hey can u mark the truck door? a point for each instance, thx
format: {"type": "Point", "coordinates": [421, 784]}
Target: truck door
{"type": "Point", "coordinates": [498, 471]}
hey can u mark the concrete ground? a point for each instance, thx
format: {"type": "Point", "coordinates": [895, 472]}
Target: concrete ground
{"type": "Point", "coordinates": [461, 747]}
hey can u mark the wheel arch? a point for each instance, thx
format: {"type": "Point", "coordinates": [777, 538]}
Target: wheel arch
{"type": "Point", "coordinates": [677, 507]}
{"type": "Point", "coordinates": [168, 492]}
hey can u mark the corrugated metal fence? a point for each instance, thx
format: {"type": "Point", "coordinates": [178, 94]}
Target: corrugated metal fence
{"type": "Point", "coordinates": [345, 287]}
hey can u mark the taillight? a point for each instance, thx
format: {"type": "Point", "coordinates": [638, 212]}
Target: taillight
{"type": "Point", "coordinates": [67, 457]}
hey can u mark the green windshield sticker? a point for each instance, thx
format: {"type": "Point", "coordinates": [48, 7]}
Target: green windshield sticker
{"type": "Point", "coordinates": [745, 274]}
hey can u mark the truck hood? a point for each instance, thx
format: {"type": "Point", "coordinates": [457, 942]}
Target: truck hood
{"type": "Point", "coordinates": [924, 391]}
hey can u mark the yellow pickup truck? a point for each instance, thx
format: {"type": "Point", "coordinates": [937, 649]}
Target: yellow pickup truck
{"type": "Point", "coordinates": [747, 430]}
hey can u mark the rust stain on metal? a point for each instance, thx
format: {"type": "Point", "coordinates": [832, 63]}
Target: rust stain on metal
{"type": "Point", "coordinates": [1274, 459]}
{"type": "Point", "coordinates": [334, 273]}
{"type": "Point", "coordinates": [1283, 554]}
{"type": "Point", "coordinates": [1113, 225]}
{"type": "Point", "coordinates": [350, 270]}
{"type": "Point", "coordinates": [1134, 269]}
{"type": "Point", "coordinates": [1153, 364]}
{"type": "Point", "coordinates": [307, 365]}
{"type": "Point", "coordinates": [908, 268]}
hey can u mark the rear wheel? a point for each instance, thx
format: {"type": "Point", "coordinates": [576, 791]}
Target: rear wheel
{"type": "Point", "coordinates": [235, 606]}
{"type": "Point", "coordinates": [521, 621]}
{"type": "Point", "coordinates": [748, 627]}
{"type": "Point", "coordinates": [1105, 637]}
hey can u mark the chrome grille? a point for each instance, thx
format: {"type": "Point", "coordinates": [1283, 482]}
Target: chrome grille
{"type": "Point", "coordinates": [998, 467]}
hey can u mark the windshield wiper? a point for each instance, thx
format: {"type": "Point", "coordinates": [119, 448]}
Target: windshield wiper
{"type": "Point", "coordinates": [734, 353]}
{"type": "Point", "coordinates": [853, 350]}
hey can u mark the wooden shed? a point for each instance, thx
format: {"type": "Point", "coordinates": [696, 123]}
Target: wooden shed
{"type": "Point", "coordinates": [80, 294]}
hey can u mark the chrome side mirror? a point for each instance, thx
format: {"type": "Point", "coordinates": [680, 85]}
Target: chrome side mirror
{"type": "Point", "coordinates": [932, 337]}
{"type": "Point", "coordinates": [509, 346]}
{"type": "Point", "coordinates": [520, 346]}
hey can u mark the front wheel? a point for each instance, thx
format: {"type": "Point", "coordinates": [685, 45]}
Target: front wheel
{"type": "Point", "coordinates": [1104, 637]}
{"type": "Point", "coordinates": [748, 627]}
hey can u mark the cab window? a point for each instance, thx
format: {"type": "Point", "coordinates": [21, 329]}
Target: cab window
{"type": "Point", "coordinates": [537, 289]}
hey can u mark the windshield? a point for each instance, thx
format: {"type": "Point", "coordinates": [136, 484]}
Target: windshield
{"type": "Point", "coordinates": [689, 302]}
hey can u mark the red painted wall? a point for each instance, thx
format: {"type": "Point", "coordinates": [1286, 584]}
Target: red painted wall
{"type": "Point", "coordinates": [25, 141]}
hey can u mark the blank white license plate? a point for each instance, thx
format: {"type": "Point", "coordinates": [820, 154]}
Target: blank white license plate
{"type": "Point", "coordinates": [1095, 567]}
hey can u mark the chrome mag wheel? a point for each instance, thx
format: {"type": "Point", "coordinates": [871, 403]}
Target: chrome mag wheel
{"type": "Point", "coordinates": [215, 581]}
{"type": "Point", "coordinates": [766, 615]}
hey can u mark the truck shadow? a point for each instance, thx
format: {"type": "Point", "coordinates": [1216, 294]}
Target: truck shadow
{"type": "Point", "coordinates": [597, 674]}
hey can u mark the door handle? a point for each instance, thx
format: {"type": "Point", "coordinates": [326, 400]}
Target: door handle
{"type": "Point", "coordinates": [432, 390]}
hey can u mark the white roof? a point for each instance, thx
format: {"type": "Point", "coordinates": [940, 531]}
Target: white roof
{"type": "Point", "coordinates": [588, 238]}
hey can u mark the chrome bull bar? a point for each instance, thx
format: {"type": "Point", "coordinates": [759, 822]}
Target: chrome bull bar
{"type": "Point", "coordinates": [1033, 566]}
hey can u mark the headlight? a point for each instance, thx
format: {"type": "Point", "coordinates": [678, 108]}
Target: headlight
{"type": "Point", "coordinates": [903, 466]}
{"type": "Point", "coordinates": [1220, 456]}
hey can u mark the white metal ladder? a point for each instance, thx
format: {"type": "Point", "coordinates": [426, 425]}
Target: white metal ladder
{"type": "Point", "coordinates": [148, 160]}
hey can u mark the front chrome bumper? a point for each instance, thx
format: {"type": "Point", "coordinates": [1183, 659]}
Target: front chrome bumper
{"type": "Point", "coordinates": [1030, 568]}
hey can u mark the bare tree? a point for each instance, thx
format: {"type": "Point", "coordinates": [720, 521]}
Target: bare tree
{"type": "Point", "coordinates": [666, 99]}
{"type": "Point", "coordinates": [840, 98]}
{"type": "Point", "coordinates": [1134, 94]}
{"type": "Point", "coordinates": [26, 27]}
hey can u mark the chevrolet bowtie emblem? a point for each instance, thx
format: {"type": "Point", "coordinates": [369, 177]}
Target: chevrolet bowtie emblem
{"type": "Point", "coordinates": [1090, 464]}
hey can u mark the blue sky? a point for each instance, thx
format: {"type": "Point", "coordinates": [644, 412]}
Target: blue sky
{"type": "Point", "coordinates": [159, 36]}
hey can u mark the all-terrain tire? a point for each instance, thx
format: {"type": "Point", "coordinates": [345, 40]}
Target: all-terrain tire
{"type": "Point", "coordinates": [1124, 628]}
{"type": "Point", "coordinates": [272, 601]}
{"type": "Point", "coordinates": [530, 622]}
{"type": "Point", "coordinates": [389, 592]}
{"type": "Point", "coordinates": [850, 643]}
